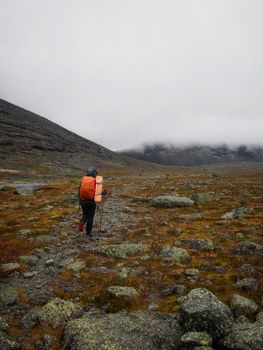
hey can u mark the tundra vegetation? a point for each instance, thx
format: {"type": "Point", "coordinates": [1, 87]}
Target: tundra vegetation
{"type": "Point", "coordinates": [153, 249]}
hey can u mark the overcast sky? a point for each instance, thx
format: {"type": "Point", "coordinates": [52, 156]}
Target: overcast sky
{"type": "Point", "coordinates": [124, 72]}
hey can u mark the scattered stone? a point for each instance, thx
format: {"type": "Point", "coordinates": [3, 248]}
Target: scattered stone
{"type": "Point", "coordinates": [9, 267]}
{"type": "Point", "coordinates": [147, 330]}
{"type": "Point", "coordinates": [8, 296]}
{"type": "Point", "coordinates": [247, 248]}
{"type": "Point", "coordinates": [50, 262]}
{"type": "Point", "coordinates": [47, 208]}
{"type": "Point", "coordinates": [7, 343]}
{"type": "Point", "coordinates": [29, 259]}
{"type": "Point", "coordinates": [247, 336]}
{"type": "Point", "coordinates": [240, 235]}
{"type": "Point", "coordinates": [239, 213]}
{"type": "Point", "coordinates": [191, 217]}
{"type": "Point", "coordinates": [167, 201]}
{"type": "Point", "coordinates": [29, 274]}
{"type": "Point", "coordinates": [175, 254]}
{"type": "Point", "coordinates": [122, 291]}
{"type": "Point", "coordinates": [204, 244]}
{"type": "Point", "coordinates": [121, 250]}
{"type": "Point", "coordinates": [57, 312]}
{"type": "Point", "coordinates": [192, 273]}
{"type": "Point", "coordinates": [24, 233]}
{"type": "Point", "coordinates": [242, 306]}
{"type": "Point", "coordinates": [203, 311]}
{"type": "Point", "coordinates": [203, 197]}
{"type": "Point", "coordinates": [175, 289]}
{"type": "Point", "coordinates": [247, 284]}
{"type": "Point", "coordinates": [196, 338]}
{"type": "Point", "coordinates": [76, 266]}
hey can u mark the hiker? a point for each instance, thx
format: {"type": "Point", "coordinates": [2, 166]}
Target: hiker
{"type": "Point", "coordinates": [87, 199]}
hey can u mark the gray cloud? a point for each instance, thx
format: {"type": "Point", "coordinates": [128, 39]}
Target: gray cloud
{"type": "Point", "coordinates": [126, 72]}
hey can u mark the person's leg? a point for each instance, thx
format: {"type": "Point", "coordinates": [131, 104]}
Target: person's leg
{"type": "Point", "coordinates": [84, 216]}
{"type": "Point", "coordinates": [90, 217]}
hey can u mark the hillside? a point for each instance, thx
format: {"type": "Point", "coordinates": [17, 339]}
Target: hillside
{"type": "Point", "coordinates": [29, 141]}
{"type": "Point", "coordinates": [196, 154]}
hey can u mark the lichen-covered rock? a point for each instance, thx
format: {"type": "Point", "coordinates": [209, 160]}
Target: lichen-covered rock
{"type": "Point", "coordinates": [203, 197]}
{"type": "Point", "coordinates": [242, 306]}
{"type": "Point", "coordinates": [7, 343]}
{"type": "Point", "coordinates": [29, 259]}
{"type": "Point", "coordinates": [24, 233]}
{"type": "Point", "coordinates": [57, 312]}
{"type": "Point", "coordinates": [3, 324]}
{"type": "Point", "coordinates": [191, 217]}
{"type": "Point", "coordinates": [122, 291]}
{"type": "Point", "coordinates": [167, 201]}
{"type": "Point", "coordinates": [247, 284]}
{"type": "Point", "coordinates": [147, 330]}
{"type": "Point", "coordinates": [192, 273]}
{"type": "Point", "coordinates": [202, 311]}
{"type": "Point", "coordinates": [246, 248]}
{"type": "Point", "coordinates": [196, 338]}
{"type": "Point", "coordinates": [204, 244]}
{"type": "Point", "coordinates": [175, 254]}
{"type": "Point", "coordinates": [237, 213]}
{"type": "Point", "coordinates": [121, 250]}
{"type": "Point", "coordinates": [76, 266]}
{"type": "Point", "coordinates": [8, 296]}
{"type": "Point", "coordinates": [247, 336]}
{"type": "Point", "coordinates": [9, 267]}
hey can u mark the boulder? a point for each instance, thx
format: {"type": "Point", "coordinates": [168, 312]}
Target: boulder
{"type": "Point", "coordinates": [242, 306]}
{"type": "Point", "coordinates": [121, 250]}
{"type": "Point", "coordinates": [203, 244]}
{"type": "Point", "coordinates": [202, 311]}
{"type": "Point", "coordinates": [8, 296]}
{"type": "Point", "coordinates": [147, 330]}
{"type": "Point", "coordinates": [122, 291]}
{"type": "Point", "coordinates": [57, 312]}
{"type": "Point", "coordinates": [196, 338]}
{"type": "Point", "coordinates": [247, 336]}
{"type": "Point", "coordinates": [247, 284]}
{"type": "Point", "coordinates": [239, 213]}
{"type": "Point", "coordinates": [175, 254]}
{"type": "Point", "coordinates": [167, 201]}
{"type": "Point", "coordinates": [247, 248]}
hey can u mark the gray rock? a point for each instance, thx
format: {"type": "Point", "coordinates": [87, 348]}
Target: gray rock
{"type": "Point", "coordinates": [245, 336]}
{"type": "Point", "coordinates": [191, 217]}
{"type": "Point", "coordinates": [175, 254]}
{"type": "Point", "coordinates": [203, 197]}
{"type": "Point", "coordinates": [9, 267]}
{"type": "Point", "coordinates": [242, 306]}
{"type": "Point", "coordinates": [247, 248]}
{"type": "Point", "coordinates": [49, 262]}
{"type": "Point", "coordinates": [179, 289]}
{"type": "Point", "coordinates": [201, 311]}
{"type": "Point", "coordinates": [204, 244]}
{"type": "Point", "coordinates": [122, 291]}
{"type": "Point", "coordinates": [29, 274]}
{"type": "Point", "coordinates": [8, 296]}
{"type": "Point", "coordinates": [76, 266]}
{"type": "Point", "coordinates": [237, 213]}
{"type": "Point", "coordinates": [192, 273]}
{"type": "Point", "coordinates": [29, 320]}
{"type": "Point", "coordinates": [196, 338]}
{"type": "Point", "coordinates": [147, 330]}
{"type": "Point", "coordinates": [250, 270]}
{"type": "Point", "coordinates": [141, 199]}
{"type": "Point", "coordinates": [57, 312]}
{"type": "Point", "coordinates": [167, 201]}
{"type": "Point", "coordinates": [247, 284]}
{"type": "Point", "coordinates": [3, 324]}
{"type": "Point", "coordinates": [121, 250]}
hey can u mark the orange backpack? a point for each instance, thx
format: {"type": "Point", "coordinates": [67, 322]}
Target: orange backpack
{"type": "Point", "coordinates": [87, 188]}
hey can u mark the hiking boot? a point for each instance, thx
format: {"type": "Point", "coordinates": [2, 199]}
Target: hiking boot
{"type": "Point", "coordinates": [81, 226]}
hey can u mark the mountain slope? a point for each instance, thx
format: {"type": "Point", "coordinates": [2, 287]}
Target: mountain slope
{"type": "Point", "coordinates": [28, 140]}
{"type": "Point", "coordinates": [196, 154]}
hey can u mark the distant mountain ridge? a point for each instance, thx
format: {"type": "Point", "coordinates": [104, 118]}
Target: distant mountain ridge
{"type": "Point", "coordinates": [28, 140]}
{"type": "Point", "coordinates": [196, 154]}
